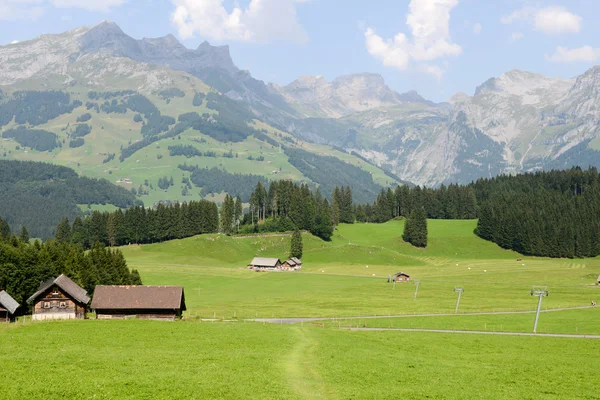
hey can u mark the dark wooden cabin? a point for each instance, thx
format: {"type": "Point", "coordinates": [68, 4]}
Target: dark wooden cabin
{"type": "Point", "coordinates": [59, 298]}
{"type": "Point", "coordinates": [8, 307]}
{"type": "Point", "coordinates": [143, 302]}
{"type": "Point", "coordinates": [401, 277]}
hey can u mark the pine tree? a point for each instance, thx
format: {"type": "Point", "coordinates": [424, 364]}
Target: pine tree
{"type": "Point", "coordinates": [296, 246]}
{"type": "Point", "coordinates": [415, 228]}
{"type": "Point", "coordinates": [227, 215]}
{"type": "Point", "coordinates": [63, 231]}
{"type": "Point", "coordinates": [24, 235]}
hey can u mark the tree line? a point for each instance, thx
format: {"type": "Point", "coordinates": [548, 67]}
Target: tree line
{"type": "Point", "coordinates": [140, 225]}
{"type": "Point", "coordinates": [287, 206]}
{"type": "Point", "coordinates": [24, 266]}
{"type": "Point", "coordinates": [550, 214]}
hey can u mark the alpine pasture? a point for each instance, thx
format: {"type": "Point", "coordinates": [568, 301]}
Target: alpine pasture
{"type": "Point", "coordinates": [218, 351]}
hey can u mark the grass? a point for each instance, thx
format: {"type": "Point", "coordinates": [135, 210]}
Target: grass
{"type": "Point", "coordinates": [241, 359]}
{"type": "Point", "coordinates": [335, 280]}
{"type": "Point", "coordinates": [583, 322]}
{"type": "Point", "coordinates": [160, 360]}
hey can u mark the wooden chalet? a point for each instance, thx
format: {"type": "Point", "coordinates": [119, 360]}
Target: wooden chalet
{"type": "Point", "coordinates": [142, 302]}
{"type": "Point", "coordinates": [401, 277]}
{"type": "Point", "coordinates": [265, 264]}
{"type": "Point", "coordinates": [8, 307]}
{"type": "Point", "coordinates": [292, 264]}
{"type": "Point", "coordinates": [59, 298]}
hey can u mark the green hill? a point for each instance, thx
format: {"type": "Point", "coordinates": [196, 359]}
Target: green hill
{"type": "Point", "coordinates": [335, 280]}
{"type": "Point", "coordinates": [133, 139]}
{"type": "Point", "coordinates": [39, 195]}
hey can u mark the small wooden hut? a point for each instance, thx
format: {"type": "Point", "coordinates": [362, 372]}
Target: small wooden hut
{"type": "Point", "coordinates": [142, 302]}
{"type": "Point", "coordinates": [265, 264]}
{"type": "Point", "coordinates": [8, 307]}
{"type": "Point", "coordinates": [59, 298]}
{"type": "Point", "coordinates": [292, 264]}
{"type": "Point", "coordinates": [401, 277]}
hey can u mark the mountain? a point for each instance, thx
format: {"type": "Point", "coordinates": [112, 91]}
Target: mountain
{"type": "Point", "coordinates": [143, 94]}
{"type": "Point", "coordinates": [165, 122]}
{"type": "Point", "coordinates": [314, 96]}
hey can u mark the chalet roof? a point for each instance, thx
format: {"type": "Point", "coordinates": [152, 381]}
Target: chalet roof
{"type": "Point", "coordinates": [291, 262]}
{"type": "Point", "coordinates": [8, 302]}
{"type": "Point", "coordinates": [296, 260]}
{"type": "Point", "coordinates": [63, 282]}
{"type": "Point", "coordinates": [265, 262]}
{"type": "Point", "coordinates": [401, 274]}
{"type": "Point", "coordinates": [138, 297]}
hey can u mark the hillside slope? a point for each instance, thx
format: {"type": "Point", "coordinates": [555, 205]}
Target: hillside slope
{"type": "Point", "coordinates": [101, 103]}
{"type": "Point", "coordinates": [38, 195]}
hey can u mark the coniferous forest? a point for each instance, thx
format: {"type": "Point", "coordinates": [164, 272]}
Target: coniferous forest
{"type": "Point", "coordinates": [23, 266]}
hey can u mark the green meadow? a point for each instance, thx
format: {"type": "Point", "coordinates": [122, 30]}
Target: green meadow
{"type": "Point", "coordinates": [185, 360]}
{"type": "Point", "coordinates": [218, 352]}
{"type": "Point", "coordinates": [335, 280]}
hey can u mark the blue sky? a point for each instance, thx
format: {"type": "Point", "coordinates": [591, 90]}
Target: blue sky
{"type": "Point", "coordinates": [441, 46]}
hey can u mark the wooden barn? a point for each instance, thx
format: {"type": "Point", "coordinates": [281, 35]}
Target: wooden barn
{"type": "Point", "coordinates": [265, 264]}
{"type": "Point", "coordinates": [8, 307]}
{"type": "Point", "coordinates": [401, 277]}
{"type": "Point", "coordinates": [59, 298]}
{"type": "Point", "coordinates": [143, 302]}
{"type": "Point", "coordinates": [292, 264]}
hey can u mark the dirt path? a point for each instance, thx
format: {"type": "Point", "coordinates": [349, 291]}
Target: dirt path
{"type": "Point", "coordinates": [300, 367]}
{"type": "Point", "coordinates": [288, 321]}
{"type": "Point", "coordinates": [480, 332]}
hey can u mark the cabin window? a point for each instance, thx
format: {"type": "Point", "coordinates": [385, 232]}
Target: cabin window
{"type": "Point", "coordinates": [55, 293]}
{"type": "Point", "coordinates": [63, 304]}
{"type": "Point", "coordinates": [46, 304]}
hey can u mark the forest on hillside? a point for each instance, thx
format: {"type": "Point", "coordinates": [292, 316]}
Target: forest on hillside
{"type": "Point", "coordinates": [39, 195]}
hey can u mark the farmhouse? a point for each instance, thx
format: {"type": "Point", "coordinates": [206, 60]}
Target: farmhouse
{"type": "Point", "coordinates": [143, 302]}
{"type": "Point", "coordinates": [8, 306]}
{"type": "Point", "coordinates": [59, 298]}
{"type": "Point", "coordinates": [401, 277]}
{"type": "Point", "coordinates": [292, 264]}
{"type": "Point", "coordinates": [265, 264]}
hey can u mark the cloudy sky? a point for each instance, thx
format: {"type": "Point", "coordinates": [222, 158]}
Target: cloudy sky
{"type": "Point", "coordinates": [437, 47]}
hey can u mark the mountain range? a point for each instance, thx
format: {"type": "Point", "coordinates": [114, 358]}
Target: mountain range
{"type": "Point", "coordinates": [520, 121]}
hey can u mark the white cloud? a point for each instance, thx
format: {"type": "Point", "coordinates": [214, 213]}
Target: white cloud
{"type": "Point", "coordinates": [429, 22]}
{"type": "Point", "coordinates": [552, 20]}
{"type": "Point", "coordinates": [90, 5]}
{"type": "Point", "coordinates": [477, 28]}
{"type": "Point", "coordinates": [566, 55]}
{"type": "Point", "coordinates": [261, 21]}
{"type": "Point", "coordinates": [516, 36]}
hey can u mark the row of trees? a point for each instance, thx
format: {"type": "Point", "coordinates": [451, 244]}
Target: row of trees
{"type": "Point", "coordinates": [23, 266]}
{"type": "Point", "coordinates": [140, 225]}
{"type": "Point", "coordinates": [550, 214]}
{"type": "Point", "coordinates": [286, 206]}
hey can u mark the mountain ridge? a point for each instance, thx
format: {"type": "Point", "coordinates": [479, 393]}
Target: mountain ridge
{"type": "Point", "coordinates": [519, 121]}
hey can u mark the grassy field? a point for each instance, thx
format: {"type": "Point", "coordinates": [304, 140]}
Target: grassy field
{"type": "Point", "coordinates": [182, 360]}
{"type": "Point", "coordinates": [335, 280]}
{"type": "Point", "coordinates": [241, 359]}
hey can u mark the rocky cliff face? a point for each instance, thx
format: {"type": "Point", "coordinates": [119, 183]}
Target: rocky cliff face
{"type": "Point", "coordinates": [315, 96]}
